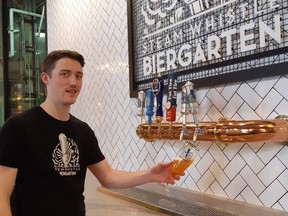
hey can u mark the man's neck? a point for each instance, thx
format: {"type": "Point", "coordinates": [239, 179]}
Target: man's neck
{"type": "Point", "coordinates": [58, 112]}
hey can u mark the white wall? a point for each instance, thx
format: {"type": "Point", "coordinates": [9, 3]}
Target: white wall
{"type": "Point", "coordinates": [251, 172]}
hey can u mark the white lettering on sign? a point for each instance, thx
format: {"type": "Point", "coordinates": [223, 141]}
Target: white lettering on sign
{"type": "Point", "coordinates": [220, 40]}
{"type": "Point", "coordinates": [167, 60]}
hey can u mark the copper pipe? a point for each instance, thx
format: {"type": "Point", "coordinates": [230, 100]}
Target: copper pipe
{"type": "Point", "coordinates": [224, 131]}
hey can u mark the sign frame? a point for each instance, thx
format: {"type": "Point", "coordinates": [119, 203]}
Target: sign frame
{"type": "Point", "coordinates": [221, 79]}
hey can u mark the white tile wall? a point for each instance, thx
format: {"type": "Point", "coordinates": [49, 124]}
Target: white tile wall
{"type": "Point", "coordinates": [251, 172]}
{"type": "Point", "coordinates": [252, 180]}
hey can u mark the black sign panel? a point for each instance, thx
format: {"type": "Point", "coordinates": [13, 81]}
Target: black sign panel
{"type": "Point", "coordinates": [208, 42]}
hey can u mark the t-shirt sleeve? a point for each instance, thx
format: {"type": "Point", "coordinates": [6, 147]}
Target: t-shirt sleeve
{"type": "Point", "coordinates": [95, 154]}
{"type": "Point", "coordinates": [10, 138]}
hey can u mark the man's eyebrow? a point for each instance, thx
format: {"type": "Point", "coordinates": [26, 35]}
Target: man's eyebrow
{"type": "Point", "coordinates": [67, 70]}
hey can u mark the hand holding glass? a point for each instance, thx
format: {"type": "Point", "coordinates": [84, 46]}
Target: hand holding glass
{"type": "Point", "coordinates": [183, 159]}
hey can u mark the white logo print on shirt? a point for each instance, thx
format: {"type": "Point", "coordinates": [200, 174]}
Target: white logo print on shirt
{"type": "Point", "coordinates": [66, 156]}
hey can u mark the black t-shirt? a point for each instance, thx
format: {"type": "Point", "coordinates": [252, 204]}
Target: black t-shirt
{"type": "Point", "coordinates": [52, 158]}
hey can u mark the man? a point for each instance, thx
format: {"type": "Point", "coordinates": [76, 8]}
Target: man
{"type": "Point", "coordinates": [45, 151]}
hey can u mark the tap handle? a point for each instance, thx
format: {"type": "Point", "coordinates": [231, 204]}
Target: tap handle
{"type": "Point", "coordinates": [157, 89]}
{"type": "Point", "coordinates": [184, 110]}
{"type": "Point", "coordinates": [171, 98]}
{"type": "Point", "coordinates": [141, 104]}
{"type": "Point", "coordinates": [194, 104]}
{"type": "Point", "coordinates": [149, 105]}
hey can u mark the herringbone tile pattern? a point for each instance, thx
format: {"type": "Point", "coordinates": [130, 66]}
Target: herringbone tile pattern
{"type": "Point", "coordinates": [252, 172]}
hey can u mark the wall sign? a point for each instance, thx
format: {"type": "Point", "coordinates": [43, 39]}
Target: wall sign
{"type": "Point", "coordinates": [209, 42]}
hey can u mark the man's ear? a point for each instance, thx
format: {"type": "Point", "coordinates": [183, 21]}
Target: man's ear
{"type": "Point", "coordinates": [44, 77]}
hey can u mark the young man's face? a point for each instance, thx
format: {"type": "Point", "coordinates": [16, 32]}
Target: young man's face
{"type": "Point", "coordinates": [65, 82]}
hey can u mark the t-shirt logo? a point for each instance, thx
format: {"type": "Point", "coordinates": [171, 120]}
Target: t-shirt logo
{"type": "Point", "coordinates": [66, 156]}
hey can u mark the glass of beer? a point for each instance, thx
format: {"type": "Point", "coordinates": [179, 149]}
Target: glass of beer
{"type": "Point", "coordinates": [183, 159]}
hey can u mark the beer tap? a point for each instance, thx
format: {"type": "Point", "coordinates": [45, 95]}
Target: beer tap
{"type": "Point", "coordinates": [189, 105]}
{"type": "Point", "coordinates": [141, 105]}
{"type": "Point", "coordinates": [171, 99]}
{"type": "Point", "coordinates": [157, 89]}
{"type": "Point", "coordinates": [193, 106]}
{"type": "Point", "coordinates": [149, 105]}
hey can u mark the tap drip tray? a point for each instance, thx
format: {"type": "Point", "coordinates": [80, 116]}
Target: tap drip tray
{"type": "Point", "coordinates": [168, 204]}
{"type": "Point", "coordinates": [179, 201]}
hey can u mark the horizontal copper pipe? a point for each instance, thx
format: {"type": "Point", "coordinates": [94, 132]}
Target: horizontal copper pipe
{"type": "Point", "coordinates": [224, 131]}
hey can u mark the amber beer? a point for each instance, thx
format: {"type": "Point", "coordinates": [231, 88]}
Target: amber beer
{"type": "Point", "coordinates": [179, 166]}
{"type": "Point", "coordinates": [183, 159]}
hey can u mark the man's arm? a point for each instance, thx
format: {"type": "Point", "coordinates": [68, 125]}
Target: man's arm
{"type": "Point", "coordinates": [111, 178]}
{"type": "Point", "coordinates": [7, 182]}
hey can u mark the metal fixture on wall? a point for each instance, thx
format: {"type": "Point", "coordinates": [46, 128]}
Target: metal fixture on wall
{"type": "Point", "coordinates": [223, 131]}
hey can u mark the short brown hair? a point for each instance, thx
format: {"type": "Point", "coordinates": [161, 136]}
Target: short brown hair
{"type": "Point", "coordinates": [51, 59]}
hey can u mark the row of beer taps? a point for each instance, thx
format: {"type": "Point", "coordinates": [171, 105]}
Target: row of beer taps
{"type": "Point", "coordinates": [152, 100]}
